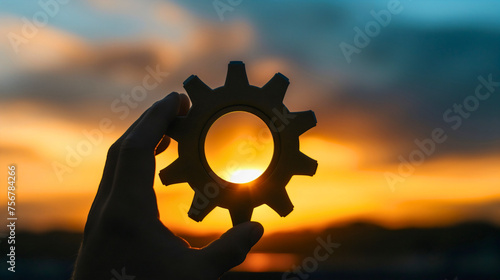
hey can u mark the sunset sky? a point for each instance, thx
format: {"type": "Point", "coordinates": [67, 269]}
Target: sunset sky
{"type": "Point", "coordinates": [404, 136]}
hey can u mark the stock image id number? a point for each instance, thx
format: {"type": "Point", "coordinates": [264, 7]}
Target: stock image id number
{"type": "Point", "coordinates": [11, 195]}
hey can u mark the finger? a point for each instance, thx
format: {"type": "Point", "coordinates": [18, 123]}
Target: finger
{"type": "Point", "coordinates": [151, 128]}
{"type": "Point", "coordinates": [163, 145]}
{"type": "Point", "coordinates": [114, 151]}
{"type": "Point", "coordinates": [183, 110]}
{"type": "Point", "coordinates": [185, 104]}
{"type": "Point", "coordinates": [135, 168]}
{"type": "Point", "coordinates": [107, 176]}
{"type": "Point", "coordinates": [232, 247]}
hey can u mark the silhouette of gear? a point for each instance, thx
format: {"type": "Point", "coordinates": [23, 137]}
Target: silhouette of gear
{"type": "Point", "coordinates": [190, 132]}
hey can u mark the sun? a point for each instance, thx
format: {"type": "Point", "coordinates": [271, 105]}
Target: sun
{"type": "Point", "coordinates": [241, 176]}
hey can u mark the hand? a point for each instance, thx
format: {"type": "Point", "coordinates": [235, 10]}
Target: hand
{"type": "Point", "coordinates": [124, 238]}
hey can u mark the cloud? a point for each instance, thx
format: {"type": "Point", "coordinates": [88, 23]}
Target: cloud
{"type": "Point", "coordinates": [395, 91]}
{"type": "Point", "coordinates": [43, 48]}
{"type": "Point", "coordinates": [58, 67]}
{"type": "Point", "coordinates": [454, 211]}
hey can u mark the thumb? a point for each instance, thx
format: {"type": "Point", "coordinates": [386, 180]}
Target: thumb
{"type": "Point", "coordinates": [233, 246]}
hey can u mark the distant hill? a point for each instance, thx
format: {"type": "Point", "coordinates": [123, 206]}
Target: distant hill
{"type": "Point", "coordinates": [367, 251]}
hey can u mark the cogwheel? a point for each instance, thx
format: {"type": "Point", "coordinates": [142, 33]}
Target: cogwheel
{"type": "Point", "coordinates": [190, 132]}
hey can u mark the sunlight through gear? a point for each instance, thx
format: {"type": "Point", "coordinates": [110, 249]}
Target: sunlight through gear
{"type": "Point", "coordinates": [191, 130]}
{"type": "Point", "coordinates": [245, 175]}
{"type": "Point", "coordinates": [238, 142]}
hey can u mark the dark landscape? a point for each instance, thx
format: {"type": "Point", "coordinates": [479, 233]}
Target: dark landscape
{"type": "Point", "coordinates": [366, 251]}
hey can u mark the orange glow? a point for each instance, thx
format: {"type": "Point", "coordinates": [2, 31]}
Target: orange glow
{"type": "Point", "coordinates": [39, 129]}
{"type": "Point", "coordinates": [341, 190]}
{"type": "Point", "coordinates": [260, 262]}
{"type": "Point", "coordinates": [239, 147]}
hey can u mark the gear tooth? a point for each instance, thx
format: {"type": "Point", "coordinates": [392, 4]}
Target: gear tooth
{"type": "Point", "coordinates": [304, 165]}
{"type": "Point", "coordinates": [240, 214]}
{"type": "Point", "coordinates": [196, 88]}
{"type": "Point", "coordinates": [174, 173]}
{"type": "Point", "coordinates": [303, 121]}
{"type": "Point", "coordinates": [200, 207]}
{"type": "Point", "coordinates": [281, 203]}
{"type": "Point", "coordinates": [277, 87]}
{"type": "Point", "coordinates": [236, 75]}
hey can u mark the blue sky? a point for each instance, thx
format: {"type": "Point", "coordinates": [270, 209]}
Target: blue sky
{"type": "Point", "coordinates": [426, 59]}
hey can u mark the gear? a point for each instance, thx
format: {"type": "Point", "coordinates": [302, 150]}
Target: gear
{"type": "Point", "coordinates": [190, 132]}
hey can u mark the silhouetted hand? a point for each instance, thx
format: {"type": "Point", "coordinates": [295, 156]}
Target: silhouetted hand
{"type": "Point", "coordinates": [124, 238]}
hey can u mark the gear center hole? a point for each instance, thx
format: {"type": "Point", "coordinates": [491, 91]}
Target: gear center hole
{"type": "Point", "coordinates": [239, 147]}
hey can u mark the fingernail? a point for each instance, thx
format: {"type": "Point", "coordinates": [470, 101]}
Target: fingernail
{"type": "Point", "coordinates": [171, 95]}
{"type": "Point", "coordinates": [256, 233]}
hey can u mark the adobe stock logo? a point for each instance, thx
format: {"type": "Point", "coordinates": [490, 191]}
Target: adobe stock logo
{"type": "Point", "coordinates": [123, 105]}
{"type": "Point", "coordinates": [225, 6]}
{"type": "Point", "coordinates": [121, 276]}
{"type": "Point", "coordinates": [453, 117]}
{"type": "Point", "coordinates": [30, 28]}
{"type": "Point", "coordinates": [321, 253]}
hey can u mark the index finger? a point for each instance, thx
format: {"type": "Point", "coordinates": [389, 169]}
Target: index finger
{"type": "Point", "coordinates": [136, 163]}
